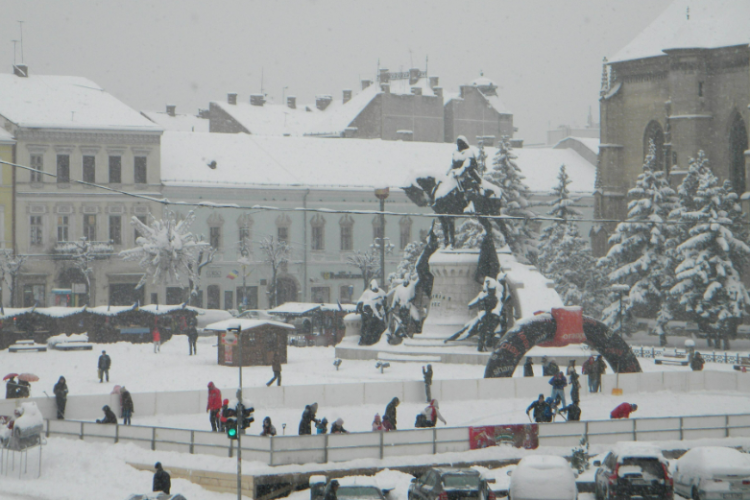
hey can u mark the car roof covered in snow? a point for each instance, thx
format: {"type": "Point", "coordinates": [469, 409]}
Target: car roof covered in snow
{"type": "Point", "coordinates": [718, 460]}
{"type": "Point", "coordinates": [630, 449]}
{"type": "Point", "coordinates": [359, 481]}
{"type": "Point", "coordinates": [245, 324]}
{"type": "Point", "coordinates": [706, 25]}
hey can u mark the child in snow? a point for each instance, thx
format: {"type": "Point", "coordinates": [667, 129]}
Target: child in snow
{"type": "Point", "coordinates": [338, 427]}
{"type": "Point", "coordinates": [109, 416]}
{"type": "Point", "coordinates": [268, 428]}
{"type": "Point", "coordinates": [430, 416]}
{"type": "Point", "coordinates": [321, 426]}
{"type": "Point", "coordinates": [377, 424]}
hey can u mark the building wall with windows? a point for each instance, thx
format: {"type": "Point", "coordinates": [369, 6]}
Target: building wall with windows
{"type": "Point", "coordinates": [7, 146]}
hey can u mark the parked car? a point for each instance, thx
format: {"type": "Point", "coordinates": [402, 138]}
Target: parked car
{"type": "Point", "coordinates": [361, 487]}
{"type": "Point", "coordinates": [542, 477]}
{"type": "Point", "coordinates": [713, 473]}
{"type": "Point", "coordinates": [633, 470]}
{"type": "Point", "coordinates": [450, 484]}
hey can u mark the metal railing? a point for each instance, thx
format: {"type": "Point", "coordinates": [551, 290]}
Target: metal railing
{"type": "Point", "coordinates": [324, 448]}
{"type": "Point", "coordinates": [709, 357]}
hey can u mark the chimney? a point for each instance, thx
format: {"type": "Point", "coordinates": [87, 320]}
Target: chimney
{"type": "Point", "coordinates": [438, 91]}
{"type": "Point", "coordinates": [232, 99]}
{"type": "Point", "coordinates": [171, 109]}
{"type": "Point", "coordinates": [416, 90]}
{"type": "Point", "coordinates": [433, 82]}
{"type": "Point", "coordinates": [291, 102]}
{"type": "Point", "coordinates": [322, 101]}
{"type": "Point", "coordinates": [347, 96]}
{"type": "Point", "coordinates": [257, 99]}
{"type": "Point", "coordinates": [384, 77]}
{"type": "Point", "coordinates": [21, 70]}
{"type": "Point", "coordinates": [366, 83]}
{"type": "Point", "coordinates": [413, 76]}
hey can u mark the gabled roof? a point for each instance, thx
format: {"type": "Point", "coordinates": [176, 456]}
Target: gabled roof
{"type": "Point", "coordinates": [711, 24]}
{"type": "Point", "coordinates": [66, 102]}
{"type": "Point", "coordinates": [6, 137]}
{"type": "Point", "coordinates": [273, 119]}
{"type": "Point", "coordinates": [338, 116]}
{"type": "Point", "coordinates": [178, 122]}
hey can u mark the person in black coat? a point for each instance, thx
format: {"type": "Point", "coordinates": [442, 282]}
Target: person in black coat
{"type": "Point", "coordinates": [192, 334]}
{"type": "Point", "coordinates": [162, 481]}
{"type": "Point", "coordinates": [333, 487]}
{"type": "Point", "coordinates": [105, 362]}
{"type": "Point", "coordinates": [109, 416]}
{"type": "Point", "coordinates": [573, 411]}
{"type": "Point", "coordinates": [126, 403]}
{"type": "Point", "coordinates": [538, 406]}
{"type": "Point", "coordinates": [24, 389]}
{"type": "Point", "coordinates": [528, 367]}
{"type": "Point", "coordinates": [308, 417]}
{"type": "Point", "coordinates": [390, 412]}
{"type": "Point", "coordinates": [61, 397]}
{"type": "Point", "coordinates": [11, 388]}
{"type": "Point", "coordinates": [427, 374]}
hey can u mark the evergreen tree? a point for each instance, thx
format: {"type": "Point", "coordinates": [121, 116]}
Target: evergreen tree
{"type": "Point", "coordinates": [639, 252]}
{"type": "Point", "coordinates": [407, 266]}
{"type": "Point", "coordinates": [518, 233]}
{"type": "Point", "coordinates": [708, 282]}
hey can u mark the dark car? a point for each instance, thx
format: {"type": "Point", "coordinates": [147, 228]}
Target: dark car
{"type": "Point", "coordinates": [633, 470]}
{"type": "Point", "coordinates": [450, 484]}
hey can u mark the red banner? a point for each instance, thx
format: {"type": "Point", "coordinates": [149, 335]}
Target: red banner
{"type": "Point", "coordinates": [569, 322]}
{"type": "Point", "coordinates": [519, 435]}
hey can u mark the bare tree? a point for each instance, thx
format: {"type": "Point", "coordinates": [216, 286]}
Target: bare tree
{"type": "Point", "coordinates": [276, 254]}
{"type": "Point", "coordinates": [10, 267]}
{"type": "Point", "coordinates": [205, 257]}
{"type": "Point", "coordinates": [367, 263]}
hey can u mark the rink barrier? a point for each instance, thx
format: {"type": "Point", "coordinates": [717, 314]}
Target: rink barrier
{"type": "Point", "coordinates": [89, 407]}
{"type": "Point", "coordinates": [325, 448]}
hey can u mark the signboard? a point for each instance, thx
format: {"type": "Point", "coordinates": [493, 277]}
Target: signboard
{"type": "Point", "coordinates": [229, 338]}
{"type": "Point", "coordinates": [518, 435]}
{"type": "Point", "coordinates": [79, 288]}
{"type": "Point", "coordinates": [228, 355]}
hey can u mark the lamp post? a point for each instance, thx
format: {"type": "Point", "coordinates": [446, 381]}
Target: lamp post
{"type": "Point", "coordinates": [382, 194]}
{"type": "Point", "coordinates": [621, 290]}
{"type": "Point", "coordinates": [238, 411]}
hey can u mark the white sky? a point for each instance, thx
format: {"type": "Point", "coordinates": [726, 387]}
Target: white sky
{"type": "Point", "coordinates": [544, 54]}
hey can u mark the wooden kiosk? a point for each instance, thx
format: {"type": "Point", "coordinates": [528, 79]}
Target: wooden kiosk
{"type": "Point", "coordinates": [261, 341]}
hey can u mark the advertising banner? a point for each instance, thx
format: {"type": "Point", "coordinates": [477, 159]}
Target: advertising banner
{"type": "Point", "coordinates": [518, 435]}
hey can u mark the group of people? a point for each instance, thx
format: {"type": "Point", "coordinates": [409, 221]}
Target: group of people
{"type": "Point", "coordinates": [126, 409]}
{"type": "Point", "coordinates": [16, 389]}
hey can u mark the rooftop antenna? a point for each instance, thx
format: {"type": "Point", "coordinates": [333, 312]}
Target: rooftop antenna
{"type": "Point", "coordinates": [20, 23]}
{"type": "Point", "coordinates": [427, 66]}
{"type": "Point", "coordinates": [261, 80]}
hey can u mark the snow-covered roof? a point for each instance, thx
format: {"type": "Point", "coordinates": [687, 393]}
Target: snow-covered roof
{"type": "Point", "coordinates": [68, 102]}
{"type": "Point", "coordinates": [158, 310]}
{"type": "Point", "coordinates": [273, 119]}
{"type": "Point", "coordinates": [245, 324]}
{"type": "Point", "coordinates": [294, 308]}
{"type": "Point", "coordinates": [632, 449]}
{"type": "Point", "coordinates": [248, 160]}
{"type": "Point", "coordinates": [178, 122]}
{"type": "Point", "coordinates": [59, 312]}
{"type": "Point", "coordinates": [338, 116]}
{"type": "Point", "coordinates": [708, 24]}
{"type": "Point", "coordinates": [9, 312]}
{"type": "Point", "coordinates": [591, 143]}
{"type": "Point", "coordinates": [6, 137]}
{"type": "Point", "coordinates": [110, 310]}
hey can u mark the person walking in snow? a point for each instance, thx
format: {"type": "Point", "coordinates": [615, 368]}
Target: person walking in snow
{"type": "Point", "coordinates": [696, 364]}
{"type": "Point", "coordinates": [623, 411]}
{"type": "Point", "coordinates": [11, 388]}
{"type": "Point", "coordinates": [126, 403]}
{"type": "Point", "coordinates": [156, 334]}
{"type": "Point", "coordinates": [109, 416]}
{"type": "Point", "coordinates": [427, 374]}
{"type": "Point", "coordinates": [192, 334]}
{"type": "Point", "coordinates": [575, 387]}
{"type": "Point", "coordinates": [573, 411]}
{"type": "Point", "coordinates": [588, 370]}
{"type": "Point", "coordinates": [528, 367]}
{"type": "Point", "coordinates": [377, 424]}
{"type": "Point", "coordinates": [431, 415]}
{"type": "Point", "coordinates": [558, 383]}
{"type": "Point", "coordinates": [390, 413]}
{"type": "Point", "coordinates": [213, 406]}
{"type": "Point", "coordinates": [268, 428]}
{"type": "Point", "coordinates": [276, 367]}
{"type": "Point", "coordinates": [105, 362]}
{"type": "Point", "coordinates": [61, 397]}
{"type": "Point", "coordinates": [600, 367]}
{"type": "Point", "coordinates": [338, 427]}
{"type": "Point", "coordinates": [539, 406]}
{"type": "Point", "coordinates": [162, 481]}
{"type": "Point", "coordinates": [308, 417]}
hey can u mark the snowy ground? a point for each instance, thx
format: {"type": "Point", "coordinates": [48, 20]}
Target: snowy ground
{"type": "Point", "coordinates": [137, 367]}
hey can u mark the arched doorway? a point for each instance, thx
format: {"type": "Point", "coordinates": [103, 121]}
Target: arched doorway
{"type": "Point", "coordinates": [654, 133]}
{"type": "Point", "coordinates": [287, 290]}
{"type": "Point", "coordinates": [737, 148]}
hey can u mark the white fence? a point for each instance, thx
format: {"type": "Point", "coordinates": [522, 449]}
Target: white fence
{"type": "Point", "coordinates": [284, 450]}
{"type": "Point", "coordinates": [335, 395]}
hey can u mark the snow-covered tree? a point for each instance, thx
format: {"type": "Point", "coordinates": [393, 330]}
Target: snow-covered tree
{"type": "Point", "coordinates": [708, 285]}
{"type": "Point", "coordinates": [83, 260]}
{"type": "Point", "coordinates": [407, 266]}
{"type": "Point", "coordinates": [565, 257]}
{"type": "Point", "coordinates": [205, 257]}
{"type": "Point", "coordinates": [276, 253]}
{"type": "Point", "coordinates": [166, 249]}
{"type": "Point", "coordinates": [639, 252]}
{"type": "Point", "coordinates": [505, 173]}
{"type": "Point", "coordinates": [10, 268]}
{"type": "Point", "coordinates": [367, 262]}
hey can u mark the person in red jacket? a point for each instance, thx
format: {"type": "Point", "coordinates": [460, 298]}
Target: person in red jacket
{"type": "Point", "coordinates": [157, 338]}
{"type": "Point", "coordinates": [214, 406]}
{"type": "Point", "coordinates": [623, 411]}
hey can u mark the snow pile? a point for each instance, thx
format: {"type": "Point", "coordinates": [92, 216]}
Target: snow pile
{"type": "Point", "coordinates": [31, 418]}
{"type": "Point", "coordinates": [543, 476]}
{"type": "Point", "coordinates": [63, 338]}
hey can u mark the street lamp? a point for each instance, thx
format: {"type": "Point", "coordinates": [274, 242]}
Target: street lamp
{"type": "Point", "coordinates": [382, 194]}
{"type": "Point", "coordinates": [238, 411]}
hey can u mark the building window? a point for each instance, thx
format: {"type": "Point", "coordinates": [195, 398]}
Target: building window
{"type": "Point", "coordinates": [215, 237]}
{"type": "Point", "coordinates": [252, 297]}
{"type": "Point", "coordinates": [320, 294]}
{"type": "Point", "coordinates": [347, 229]}
{"type": "Point", "coordinates": [346, 294]}
{"type": "Point", "coordinates": [35, 230]}
{"type": "Point", "coordinates": [228, 299]}
{"type": "Point", "coordinates": [154, 298]}
{"type": "Point", "coordinates": [33, 295]}
{"type": "Point", "coordinates": [37, 162]}
{"type": "Point", "coordinates": [115, 170]}
{"type": "Point", "coordinates": [282, 234]}
{"type": "Point", "coordinates": [141, 218]}
{"type": "Point", "coordinates": [140, 170]}
{"type": "Point", "coordinates": [115, 229]}
{"type": "Point", "coordinates": [700, 89]}
{"type": "Point", "coordinates": [63, 169]}
{"type": "Point", "coordinates": [89, 169]}
{"type": "Point", "coordinates": [89, 227]}
{"type": "Point", "coordinates": [404, 232]}
{"type": "Point", "coordinates": [63, 223]}
{"type": "Point", "coordinates": [317, 224]}
{"type": "Point", "coordinates": [176, 295]}
{"type": "Point", "coordinates": [214, 297]}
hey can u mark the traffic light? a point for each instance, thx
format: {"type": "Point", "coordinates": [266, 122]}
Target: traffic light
{"type": "Point", "coordinates": [231, 423]}
{"type": "Point", "coordinates": [247, 417]}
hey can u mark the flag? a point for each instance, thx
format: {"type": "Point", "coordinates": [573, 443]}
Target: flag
{"type": "Point", "coordinates": [233, 274]}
